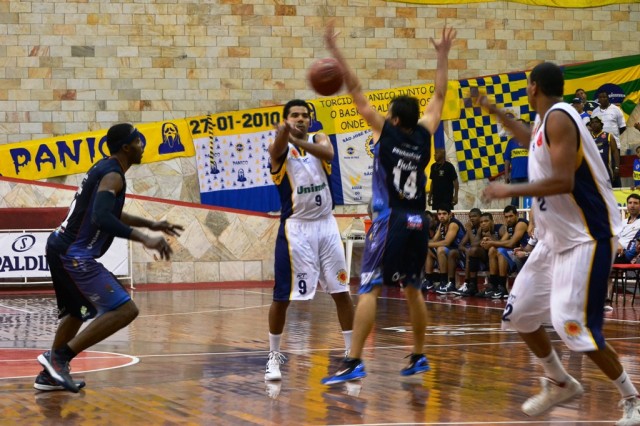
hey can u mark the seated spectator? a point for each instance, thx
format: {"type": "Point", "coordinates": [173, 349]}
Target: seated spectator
{"type": "Point", "coordinates": [522, 254]}
{"type": "Point", "coordinates": [471, 239]}
{"type": "Point", "coordinates": [478, 257]}
{"type": "Point", "coordinates": [512, 234]}
{"type": "Point", "coordinates": [444, 250]}
{"type": "Point", "coordinates": [607, 147]}
{"type": "Point", "coordinates": [579, 106]}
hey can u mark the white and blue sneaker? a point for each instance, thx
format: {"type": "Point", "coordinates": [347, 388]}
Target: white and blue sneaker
{"type": "Point", "coordinates": [351, 369]}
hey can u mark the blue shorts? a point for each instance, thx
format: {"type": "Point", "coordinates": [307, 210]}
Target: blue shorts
{"type": "Point", "coordinates": [84, 287]}
{"type": "Point", "coordinates": [395, 249]}
{"type": "Point", "coordinates": [508, 254]}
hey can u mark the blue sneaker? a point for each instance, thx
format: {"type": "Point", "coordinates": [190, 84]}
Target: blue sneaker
{"type": "Point", "coordinates": [351, 369]}
{"type": "Point", "coordinates": [417, 364]}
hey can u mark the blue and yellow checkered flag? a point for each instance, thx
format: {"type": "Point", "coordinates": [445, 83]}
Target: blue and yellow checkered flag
{"type": "Point", "coordinates": [479, 138]}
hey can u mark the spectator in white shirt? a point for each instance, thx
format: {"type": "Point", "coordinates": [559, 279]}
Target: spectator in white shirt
{"type": "Point", "coordinates": [611, 116]}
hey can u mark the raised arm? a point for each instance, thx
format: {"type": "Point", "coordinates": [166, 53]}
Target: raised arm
{"type": "Point", "coordinates": [433, 113]}
{"type": "Point", "coordinates": [373, 117]}
{"type": "Point", "coordinates": [520, 131]}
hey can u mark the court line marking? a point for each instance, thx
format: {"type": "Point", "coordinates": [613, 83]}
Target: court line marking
{"type": "Point", "coordinates": [368, 348]}
{"type": "Point", "coordinates": [203, 312]}
{"type": "Point", "coordinates": [511, 422]}
{"type": "Point", "coordinates": [133, 360]}
{"type": "Point", "coordinates": [17, 309]}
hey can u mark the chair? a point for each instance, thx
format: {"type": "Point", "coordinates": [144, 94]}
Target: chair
{"type": "Point", "coordinates": [620, 273]}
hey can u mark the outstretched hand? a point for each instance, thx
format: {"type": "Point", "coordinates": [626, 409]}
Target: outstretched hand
{"type": "Point", "coordinates": [170, 229]}
{"type": "Point", "coordinates": [160, 245]}
{"type": "Point", "coordinates": [444, 44]}
{"type": "Point", "coordinates": [495, 191]}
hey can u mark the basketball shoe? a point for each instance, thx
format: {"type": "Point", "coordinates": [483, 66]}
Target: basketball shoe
{"type": "Point", "coordinates": [551, 395]}
{"type": "Point", "coordinates": [44, 382]}
{"type": "Point", "coordinates": [351, 369]}
{"type": "Point", "coordinates": [630, 413]}
{"type": "Point", "coordinates": [273, 366]}
{"type": "Point", "coordinates": [418, 363]}
{"type": "Point", "coordinates": [58, 369]}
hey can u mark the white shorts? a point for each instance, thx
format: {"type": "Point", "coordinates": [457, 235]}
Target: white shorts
{"type": "Point", "coordinates": [565, 289]}
{"type": "Point", "coordinates": [308, 252]}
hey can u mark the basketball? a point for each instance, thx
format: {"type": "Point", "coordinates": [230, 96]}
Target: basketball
{"type": "Point", "coordinates": [326, 76]}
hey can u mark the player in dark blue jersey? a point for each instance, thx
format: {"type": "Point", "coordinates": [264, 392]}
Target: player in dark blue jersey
{"type": "Point", "coordinates": [396, 244]}
{"type": "Point", "coordinates": [84, 288]}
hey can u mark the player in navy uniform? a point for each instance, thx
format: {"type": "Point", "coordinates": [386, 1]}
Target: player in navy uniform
{"type": "Point", "coordinates": [396, 245]}
{"type": "Point", "coordinates": [84, 288]}
{"type": "Point", "coordinates": [445, 249]}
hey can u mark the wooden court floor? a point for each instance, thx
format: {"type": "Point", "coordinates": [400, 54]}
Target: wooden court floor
{"type": "Point", "coordinates": [198, 357]}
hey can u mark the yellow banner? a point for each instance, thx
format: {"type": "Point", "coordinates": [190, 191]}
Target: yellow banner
{"type": "Point", "coordinates": [338, 114]}
{"type": "Point", "coordinates": [550, 3]}
{"type": "Point", "coordinates": [235, 122]}
{"type": "Point", "coordinates": [76, 153]}
{"type": "Point", "coordinates": [621, 195]}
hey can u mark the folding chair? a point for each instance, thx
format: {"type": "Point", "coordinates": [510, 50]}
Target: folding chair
{"type": "Point", "coordinates": [620, 275]}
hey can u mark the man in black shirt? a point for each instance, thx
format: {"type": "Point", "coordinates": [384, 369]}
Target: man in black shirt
{"type": "Point", "coordinates": [444, 182]}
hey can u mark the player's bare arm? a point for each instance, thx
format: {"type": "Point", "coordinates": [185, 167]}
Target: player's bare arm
{"type": "Point", "coordinates": [520, 131]}
{"type": "Point", "coordinates": [448, 238]}
{"type": "Point", "coordinates": [370, 114]}
{"type": "Point", "coordinates": [563, 146]}
{"type": "Point", "coordinates": [320, 147]}
{"type": "Point", "coordinates": [433, 112]}
{"type": "Point", "coordinates": [279, 146]}
{"type": "Point", "coordinates": [168, 228]}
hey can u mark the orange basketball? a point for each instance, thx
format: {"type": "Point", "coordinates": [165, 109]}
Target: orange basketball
{"type": "Point", "coordinates": [326, 76]}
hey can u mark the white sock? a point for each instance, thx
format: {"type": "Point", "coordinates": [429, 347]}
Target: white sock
{"type": "Point", "coordinates": [624, 385]}
{"type": "Point", "coordinates": [274, 342]}
{"type": "Point", "coordinates": [347, 339]}
{"type": "Point", "coordinates": [553, 368]}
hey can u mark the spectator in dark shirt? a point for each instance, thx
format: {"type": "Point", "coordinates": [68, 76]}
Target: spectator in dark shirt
{"type": "Point", "coordinates": [444, 182]}
{"type": "Point", "coordinates": [516, 160]}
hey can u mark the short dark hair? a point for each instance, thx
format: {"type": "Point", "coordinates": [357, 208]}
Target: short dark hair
{"type": "Point", "coordinates": [511, 209]}
{"type": "Point", "coordinates": [487, 214]}
{"type": "Point", "coordinates": [475, 210]}
{"type": "Point", "coordinates": [293, 103]}
{"type": "Point", "coordinates": [549, 78]}
{"type": "Point", "coordinates": [407, 109]}
{"type": "Point", "coordinates": [634, 196]}
{"type": "Point", "coordinates": [118, 135]}
{"type": "Point", "coordinates": [445, 207]}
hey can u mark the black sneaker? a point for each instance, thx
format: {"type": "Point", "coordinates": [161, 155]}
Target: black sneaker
{"type": "Point", "coordinates": [500, 293]}
{"type": "Point", "coordinates": [58, 369]}
{"type": "Point", "coordinates": [487, 292]}
{"type": "Point", "coordinates": [44, 382]}
{"type": "Point", "coordinates": [426, 285]}
{"type": "Point", "coordinates": [469, 291]}
{"type": "Point", "coordinates": [448, 288]}
{"type": "Point", "coordinates": [461, 290]}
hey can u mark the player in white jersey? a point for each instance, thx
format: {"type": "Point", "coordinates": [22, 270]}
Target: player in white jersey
{"type": "Point", "coordinates": [564, 282]}
{"type": "Point", "coordinates": [308, 247]}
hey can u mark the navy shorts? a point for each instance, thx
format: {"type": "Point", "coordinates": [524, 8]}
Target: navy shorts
{"type": "Point", "coordinates": [84, 287]}
{"type": "Point", "coordinates": [395, 249]}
